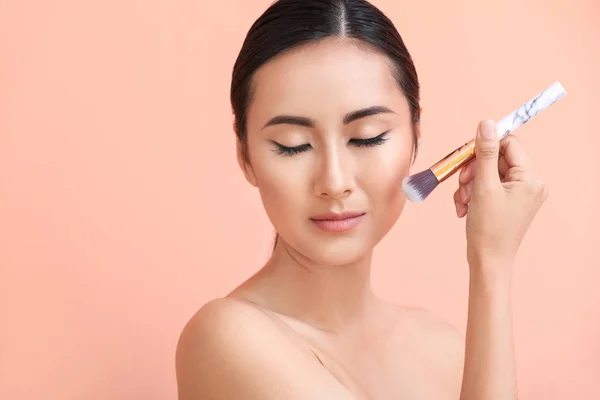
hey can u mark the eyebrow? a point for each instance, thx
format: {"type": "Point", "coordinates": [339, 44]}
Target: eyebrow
{"type": "Point", "coordinates": [348, 118]}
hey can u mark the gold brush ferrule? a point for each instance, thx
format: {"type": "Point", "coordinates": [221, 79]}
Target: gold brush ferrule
{"type": "Point", "coordinates": [448, 165]}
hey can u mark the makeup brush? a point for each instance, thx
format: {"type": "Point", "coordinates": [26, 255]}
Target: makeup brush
{"type": "Point", "coordinates": [420, 185]}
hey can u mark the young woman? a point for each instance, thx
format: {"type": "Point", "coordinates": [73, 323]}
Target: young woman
{"type": "Point", "coordinates": [326, 104]}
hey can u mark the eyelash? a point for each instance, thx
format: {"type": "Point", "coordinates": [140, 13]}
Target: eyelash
{"type": "Point", "coordinates": [369, 142]}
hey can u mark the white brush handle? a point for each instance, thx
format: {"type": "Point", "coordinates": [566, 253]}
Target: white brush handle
{"type": "Point", "coordinates": [530, 109]}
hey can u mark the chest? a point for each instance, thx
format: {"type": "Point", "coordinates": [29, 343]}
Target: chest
{"type": "Point", "coordinates": [401, 368]}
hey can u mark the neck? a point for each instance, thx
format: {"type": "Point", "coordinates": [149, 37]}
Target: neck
{"type": "Point", "coordinates": [333, 298]}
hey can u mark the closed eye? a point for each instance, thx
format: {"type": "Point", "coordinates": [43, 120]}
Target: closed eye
{"type": "Point", "coordinates": [373, 141]}
{"type": "Point", "coordinates": [291, 151]}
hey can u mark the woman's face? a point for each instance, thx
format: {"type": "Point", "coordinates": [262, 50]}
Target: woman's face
{"type": "Point", "coordinates": [329, 132]}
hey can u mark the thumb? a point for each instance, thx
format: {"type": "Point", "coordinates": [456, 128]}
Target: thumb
{"type": "Point", "coordinates": [487, 148]}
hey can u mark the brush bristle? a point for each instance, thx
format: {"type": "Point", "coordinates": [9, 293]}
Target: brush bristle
{"type": "Point", "coordinates": [418, 186]}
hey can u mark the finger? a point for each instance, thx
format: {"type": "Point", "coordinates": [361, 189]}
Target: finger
{"type": "Point", "coordinates": [502, 165]}
{"type": "Point", "coordinates": [517, 174]}
{"type": "Point", "coordinates": [513, 153]}
{"type": "Point", "coordinates": [465, 192]}
{"type": "Point", "coordinates": [487, 149]}
{"type": "Point", "coordinates": [464, 210]}
{"type": "Point", "coordinates": [461, 208]}
{"type": "Point", "coordinates": [467, 173]}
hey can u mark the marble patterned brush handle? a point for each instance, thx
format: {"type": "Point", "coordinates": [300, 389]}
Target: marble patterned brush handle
{"type": "Point", "coordinates": [454, 161]}
{"type": "Point", "coordinates": [530, 109]}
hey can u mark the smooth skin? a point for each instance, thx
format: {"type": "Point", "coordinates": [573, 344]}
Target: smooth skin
{"type": "Point", "coordinates": [307, 325]}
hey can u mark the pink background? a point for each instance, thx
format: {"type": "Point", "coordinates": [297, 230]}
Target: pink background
{"type": "Point", "coordinates": [122, 209]}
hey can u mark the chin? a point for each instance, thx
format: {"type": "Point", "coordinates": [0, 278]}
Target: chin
{"type": "Point", "coordinates": [340, 254]}
{"type": "Point", "coordinates": [340, 248]}
{"type": "Point", "coordinates": [334, 250]}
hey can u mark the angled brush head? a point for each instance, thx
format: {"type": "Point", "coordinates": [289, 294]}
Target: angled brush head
{"type": "Point", "coordinates": [418, 186]}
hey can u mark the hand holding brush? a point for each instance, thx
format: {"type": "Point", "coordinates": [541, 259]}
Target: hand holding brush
{"type": "Point", "coordinates": [420, 185]}
{"type": "Point", "coordinates": [499, 193]}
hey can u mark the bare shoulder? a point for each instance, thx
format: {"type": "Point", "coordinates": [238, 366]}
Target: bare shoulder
{"type": "Point", "coordinates": [434, 327]}
{"type": "Point", "coordinates": [232, 349]}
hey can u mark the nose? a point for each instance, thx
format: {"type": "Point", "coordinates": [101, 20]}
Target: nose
{"type": "Point", "coordinates": [334, 176]}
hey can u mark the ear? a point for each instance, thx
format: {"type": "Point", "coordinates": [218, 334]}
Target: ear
{"type": "Point", "coordinates": [245, 165]}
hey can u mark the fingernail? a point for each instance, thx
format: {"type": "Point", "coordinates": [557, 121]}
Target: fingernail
{"type": "Point", "coordinates": [487, 129]}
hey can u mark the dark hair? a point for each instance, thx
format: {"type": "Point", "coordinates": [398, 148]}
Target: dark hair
{"type": "Point", "coordinates": [291, 23]}
{"type": "Point", "coordinates": [287, 24]}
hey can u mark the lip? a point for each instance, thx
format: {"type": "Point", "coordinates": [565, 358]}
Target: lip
{"type": "Point", "coordinates": [338, 222]}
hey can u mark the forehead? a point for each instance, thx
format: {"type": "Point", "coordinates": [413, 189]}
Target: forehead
{"type": "Point", "coordinates": [324, 80]}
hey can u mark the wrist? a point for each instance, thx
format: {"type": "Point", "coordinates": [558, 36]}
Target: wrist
{"type": "Point", "coordinates": [492, 272]}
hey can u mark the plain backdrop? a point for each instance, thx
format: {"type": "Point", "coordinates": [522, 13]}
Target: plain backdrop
{"type": "Point", "coordinates": [122, 208]}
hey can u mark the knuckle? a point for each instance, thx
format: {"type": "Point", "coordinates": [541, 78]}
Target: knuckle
{"type": "Point", "coordinates": [538, 189]}
{"type": "Point", "coordinates": [510, 175]}
{"type": "Point", "coordinates": [517, 174]}
{"type": "Point", "coordinates": [508, 142]}
{"type": "Point", "coordinates": [510, 138]}
{"type": "Point", "coordinates": [545, 192]}
{"type": "Point", "coordinates": [487, 152]}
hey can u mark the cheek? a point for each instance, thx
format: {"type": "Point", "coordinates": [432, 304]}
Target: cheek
{"type": "Point", "coordinates": [282, 185]}
{"type": "Point", "coordinates": [383, 174]}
